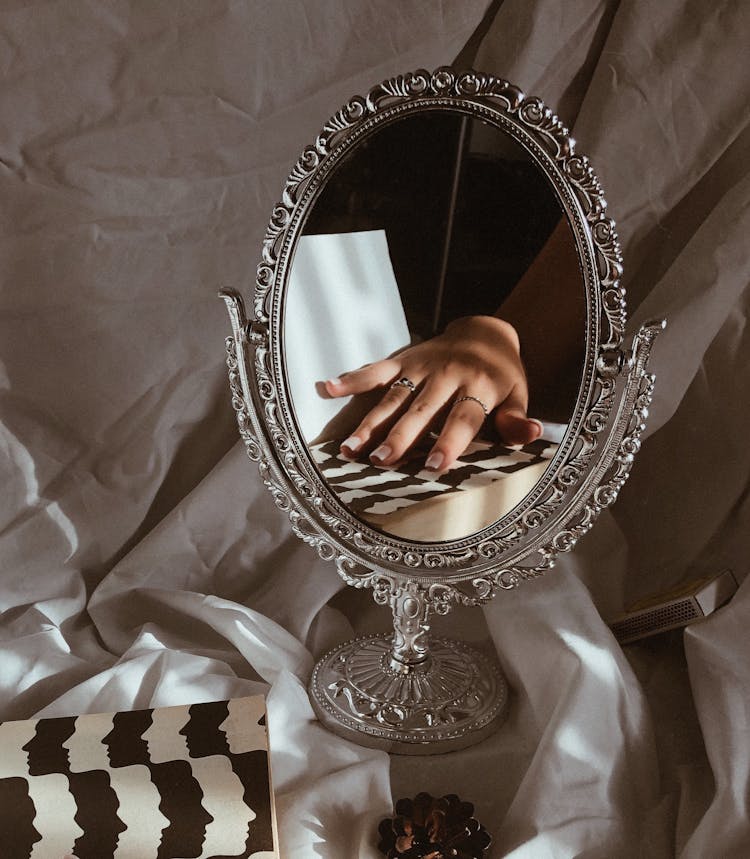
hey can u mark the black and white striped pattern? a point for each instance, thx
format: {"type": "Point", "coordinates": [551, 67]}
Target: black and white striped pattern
{"type": "Point", "coordinates": [367, 488]}
{"type": "Point", "coordinates": [171, 783]}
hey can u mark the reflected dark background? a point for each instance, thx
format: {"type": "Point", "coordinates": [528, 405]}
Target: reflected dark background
{"type": "Point", "coordinates": [464, 208]}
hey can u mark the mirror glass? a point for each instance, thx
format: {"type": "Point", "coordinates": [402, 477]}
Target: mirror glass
{"type": "Point", "coordinates": [435, 247]}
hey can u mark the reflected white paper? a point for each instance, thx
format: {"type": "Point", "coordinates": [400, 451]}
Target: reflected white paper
{"type": "Point", "coordinates": [343, 310]}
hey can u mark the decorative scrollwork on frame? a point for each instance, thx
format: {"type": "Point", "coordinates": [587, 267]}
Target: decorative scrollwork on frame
{"type": "Point", "coordinates": [606, 493]}
{"type": "Point", "coordinates": [252, 446]}
{"type": "Point", "coordinates": [365, 558]}
{"type": "Point", "coordinates": [410, 85]}
{"type": "Point", "coordinates": [551, 130]}
{"type": "Point", "coordinates": [607, 246]}
{"type": "Point", "coordinates": [579, 170]}
{"type": "Point", "coordinates": [601, 408]}
{"type": "Point", "coordinates": [478, 84]}
{"type": "Point", "coordinates": [353, 111]}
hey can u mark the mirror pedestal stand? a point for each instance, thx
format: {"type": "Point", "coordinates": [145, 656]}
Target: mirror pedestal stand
{"type": "Point", "coordinates": [407, 693]}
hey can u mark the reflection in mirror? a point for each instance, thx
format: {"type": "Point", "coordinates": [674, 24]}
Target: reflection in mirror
{"type": "Point", "coordinates": [434, 327]}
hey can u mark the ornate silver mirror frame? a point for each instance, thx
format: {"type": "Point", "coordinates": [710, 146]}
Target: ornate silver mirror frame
{"type": "Point", "coordinates": [405, 692]}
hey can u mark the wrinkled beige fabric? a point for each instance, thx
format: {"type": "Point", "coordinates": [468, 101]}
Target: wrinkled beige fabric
{"type": "Point", "coordinates": [144, 564]}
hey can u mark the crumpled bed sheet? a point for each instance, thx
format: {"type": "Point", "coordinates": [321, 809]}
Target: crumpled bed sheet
{"type": "Point", "coordinates": [143, 564]}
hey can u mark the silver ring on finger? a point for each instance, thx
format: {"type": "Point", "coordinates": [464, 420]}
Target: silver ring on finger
{"type": "Point", "coordinates": [403, 382]}
{"type": "Point", "coordinates": [474, 400]}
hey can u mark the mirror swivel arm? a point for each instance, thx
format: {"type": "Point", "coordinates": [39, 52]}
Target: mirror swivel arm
{"type": "Point", "coordinates": [614, 362]}
{"type": "Point", "coordinates": [253, 332]}
{"type": "Point", "coordinates": [244, 334]}
{"type": "Point", "coordinates": [236, 310]}
{"type": "Point", "coordinates": [256, 333]}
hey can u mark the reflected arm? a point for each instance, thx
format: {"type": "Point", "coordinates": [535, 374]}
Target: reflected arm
{"type": "Point", "coordinates": [548, 311]}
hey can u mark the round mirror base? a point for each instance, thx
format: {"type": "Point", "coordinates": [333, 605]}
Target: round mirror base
{"type": "Point", "coordinates": [454, 698]}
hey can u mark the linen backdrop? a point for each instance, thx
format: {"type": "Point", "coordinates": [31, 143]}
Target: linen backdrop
{"type": "Point", "coordinates": [143, 146]}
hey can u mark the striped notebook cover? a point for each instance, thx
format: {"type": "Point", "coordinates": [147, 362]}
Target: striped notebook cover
{"type": "Point", "coordinates": [367, 488]}
{"type": "Point", "coordinates": [189, 781]}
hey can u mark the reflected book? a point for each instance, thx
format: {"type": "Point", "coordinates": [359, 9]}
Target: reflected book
{"type": "Point", "coordinates": [188, 781]}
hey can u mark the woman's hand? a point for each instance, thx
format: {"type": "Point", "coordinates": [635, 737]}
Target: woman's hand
{"type": "Point", "coordinates": [477, 357]}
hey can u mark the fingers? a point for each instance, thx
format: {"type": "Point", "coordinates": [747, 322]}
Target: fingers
{"type": "Point", "coordinates": [463, 423]}
{"type": "Point", "coordinates": [365, 379]}
{"type": "Point", "coordinates": [372, 427]}
{"type": "Point", "coordinates": [511, 420]}
{"type": "Point", "coordinates": [405, 420]}
{"type": "Point", "coordinates": [515, 428]}
{"type": "Point", "coordinates": [466, 419]}
{"type": "Point", "coordinates": [414, 422]}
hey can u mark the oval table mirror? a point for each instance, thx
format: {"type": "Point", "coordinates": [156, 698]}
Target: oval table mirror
{"type": "Point", "coordinates": [433, 379]}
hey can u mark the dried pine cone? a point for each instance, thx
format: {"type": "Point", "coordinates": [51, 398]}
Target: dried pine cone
{"type": "Point", "coordinates": [430, 828]}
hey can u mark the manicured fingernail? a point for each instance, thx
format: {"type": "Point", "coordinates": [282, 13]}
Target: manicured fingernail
{"type": "Point", "coordinates": [353, 443]}
{"type": "Point", "coordinates": [335, 381]}
{"type": "Point", "coordinates": [381, 453]}
{"type": "Point", "coordinates": [434, 461]}
{"type": "Point", "coordinates": [539, 424]}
